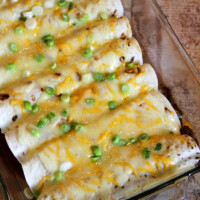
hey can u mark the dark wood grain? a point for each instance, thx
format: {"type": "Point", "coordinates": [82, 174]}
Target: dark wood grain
{"type": "Point", "coordinates": [184, 16]}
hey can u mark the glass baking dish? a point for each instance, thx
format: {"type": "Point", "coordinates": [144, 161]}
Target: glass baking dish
{"type": "Point", "coordinates": [175, 71]}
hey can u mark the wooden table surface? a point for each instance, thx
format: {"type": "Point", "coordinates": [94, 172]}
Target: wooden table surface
{"type": "Point", "coordinates": [184, 16]}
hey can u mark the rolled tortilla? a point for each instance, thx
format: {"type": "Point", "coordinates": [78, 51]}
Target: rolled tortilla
{"type": "Point", "coordinates": [71, 42]}
{"type": "Point", "coordinates": [68, 81]}
{"type": "Point", "coordinates": [150, 113]}
{"type": "Point", "coordinates": [21, 141]}
{"type": "Point", "coordinates": [126, 171]}
{"type": "Point", "coordinates": [50, 21]}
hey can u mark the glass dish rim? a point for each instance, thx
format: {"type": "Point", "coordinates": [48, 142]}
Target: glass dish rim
{"type": "Point", "coordinates": [157, 9]}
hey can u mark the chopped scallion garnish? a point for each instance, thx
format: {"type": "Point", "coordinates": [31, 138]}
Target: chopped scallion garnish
{"type": "Point", "coordinates": [95, 158]}
{"type": "Point", "coordinates": [35, 132]}
{"type": "Point", "coordinates": [65, 98]}
{"type": "Point", "coordinates": [112, 105]}
{"type": "Point", "coordinates": [66, 17]}
{"type": "Point", "coordinates": [39, 58]}
{"type": "Point", "coordinates": [125, 88]}
{"type": "Point", "coordinates": [66, 128]}
{"type": "Point", "coordinates": [146, 153]}
{"type": "Point", "coordinates": [18, 30]}
{"type": "Point", "coordinates": [35, 108]}
{"type": "Point", "coordinates": [130, 65]}
{"type": "Point", "coordinates": [99, 77]}
{"type": "Point", "coordinates": [59, 176]}
{"type": "Point", "coordinates": [50, 43]}
{"type": "Point", "coordinates": [133, 141]}
{"type": "Point", "coordinates": [79, 128]}
{"type": "Point", "coordinates": [96, 151]}
{"type": "Point", "coordinates": [27, 105]}
{"type": "Point", "coordinates": [87, 53]}
{"type": "Point", "coordinates": [65, 113]}
{"type": "Point", "coordinates": [116, 139]}
{"type": "Point", "coordinates": [50, 91]}
{"type": "Point", "coordinates": [11, 67]}
{"type": "Point", "coordinates": [122, 142]}
{"type": "Point", "coordinates": [51, 116]}
{"type": "Point", "coordinates": [85, 18]}
{"type": "Point", "coordinates": [62, 3]}
{"type": "Point", "coordinates": [53, 66]}
{"type": "Point", "coordinates": [90, 101]}
{"type": "Point", "coordinates": [144, 137]}
{"type": "Point", "coordinates": [36, 194]}
{"type": "Point", "coordinates": [111, 76]}
{"type": "Point", "coordinates": [158, 147]}
{"type": "Point", "coordinates": [42, 123]}
{"type": "Point", "coordinates": [13, 47]}
{"type": "Point", "coordinates": [71, 5]}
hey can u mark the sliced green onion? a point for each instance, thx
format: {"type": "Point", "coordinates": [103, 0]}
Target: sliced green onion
{"type": "Point", "coordinates": [51, 116]}
{"type": "Point", "coordinates": [104, 15]}
{"type": "Point", "coordinates": [59, 176]}
{"type": "Point", "coordinates": [36, 194]}
{"type": "Point", "coordinates": [171, 132]}
{"type": "Point", "coordinates": [96, 150]}
{"type": "Point", "coordinates": [85, 18]}
{"type": "Point", "coordinates": [65, 98]}
{"type": "Point", "coordinates": [66, 17]}
{"type": "Point", "coordinates": [62, 3]}
{"type": "Point", "coordinates": [23, 19]}
{"type": "Point", "coordinates": [99, 77]}
{"type": "Point", "coordinates": [50, 43]}
{"type": "Point", "coordinates": [133, 141]}
{"type": "Point", "coordinates": [158, 147]}
{"type": "Point", "coordinates": [39, 58]}
{"type": "Point", "coordinates": [125, 88]}
{"type": "Point", "coordinates": [27, 105]}
{"type": "Point", "coordinates": [111, 76]}
{"type": "Point", "coordinates": [42, 123]}
{"type": "Point", "coordinates": [74, 124]}
{"type": "Point", "coordinates": [18, 30]}
{"type": "Point", "coordinates": [35, 108]}
{"type": "Point", "coordinates": [11, 67]}
{"type": "Point", "coordinates": [144, 137]}
{"type": "Point", "coordinates": [71, 5]}
{"type": "Point", "coordinates": [130, 65]}
{"type": "Point", "coordinates": [122, 142]}
{"type": "Point", "coordinates": [90, 39]}
{"type": "Point", "coordinates": [74, 24]}
{"type": "Point", "coordinates": [53, 66]}
{"type": "Point", "coordinates": [112, 105]}
{"type": "Point", "coordinates": [79, 128]}
{"type": "Point", "coordinates": [46, 38]}
{"type": "Point", "coordinates": [87, 53]}
{"type": "Point", "coordinates": [50, 91]}
{"type": "Point", "coordinates": [116, 139]}
{"type": "Point", "coordinates": [35, 132]}
{"type": "Point", "coordinates": [95, 158]}
{"type": "Point", "coordinates": [90, 101]}
{"type": "Point", "coordinates": [66, 128]}
{"type": "Point", "coordinates": [13, 47]}
{"type": "Point", "coordinates": [146, 153]}
{"type": "Point", "coordinates": [65, 113]}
